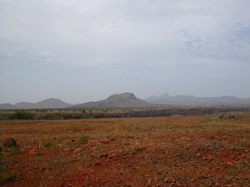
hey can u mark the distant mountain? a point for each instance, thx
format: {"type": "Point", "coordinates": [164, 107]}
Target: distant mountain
{"type": "Point", "coordinates": [7, 106]}
{"type": "Point", "coordinates": [24, 105]}
{"type": "Point", "coordinates": [51, 103]}
{"type": "Point", "coordinates": [160, 99]}
{"type": "Point", "coordinates": [127, 99]}
{"type": "Point", "coordinates": [48, 103]}
{"type": "Point", "coordinates": [185, 100]}
{"type": "Point", "coordinates": [122, 100]}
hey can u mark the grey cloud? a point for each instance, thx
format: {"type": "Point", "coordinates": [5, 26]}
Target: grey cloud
{"type": "Point", "coordinates": [152, 41]}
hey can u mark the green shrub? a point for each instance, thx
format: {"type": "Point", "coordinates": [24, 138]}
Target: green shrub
{"type": "Point", "coordinates": [22, 115]}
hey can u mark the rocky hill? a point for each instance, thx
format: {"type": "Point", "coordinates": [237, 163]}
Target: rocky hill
{"type": "Point", "coordinates": [122, 100]}
{"type": "Point", "coordinates": [48, 103]}
{"type": "Point", "coordinates": [184, 100]}
{"type": "Point", "coordinates": [51, 103]}
{"type": "Point", "coordinates": [7, 106]}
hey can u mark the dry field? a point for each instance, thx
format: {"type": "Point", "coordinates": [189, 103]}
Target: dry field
{"type": "Point", "coordinates": [206, 150]}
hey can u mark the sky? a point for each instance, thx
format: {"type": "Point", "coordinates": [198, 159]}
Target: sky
{"type": "Point", "coordinates": [87, 50]}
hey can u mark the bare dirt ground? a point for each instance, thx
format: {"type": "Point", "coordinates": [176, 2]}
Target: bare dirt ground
{"type": "Point", "coordinates": [207, 150]}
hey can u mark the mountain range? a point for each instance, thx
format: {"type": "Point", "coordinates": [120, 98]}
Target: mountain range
{"type": "Point", "coordinates": [125, 100]}
{"type": "Point", "coordinates": [48, 103]}
{"type": "Point", "coordinates": [184, 100]}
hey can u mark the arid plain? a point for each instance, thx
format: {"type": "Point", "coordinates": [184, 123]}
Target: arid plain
{"type": "Point", "coordinates": [205, 150]}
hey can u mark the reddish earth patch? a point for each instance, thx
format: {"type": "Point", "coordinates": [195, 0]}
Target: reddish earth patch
{"type": "Point", "coordinates": [169, 151]}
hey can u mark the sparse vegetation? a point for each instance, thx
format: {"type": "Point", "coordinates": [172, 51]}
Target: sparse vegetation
{"type": "Point", "coordinates": [162, 151]}
{"type": "Point", "coordinates": [9, 142]}
{"type": "Point", "coordinates": [5, 176]}
{"type": "Point", "coordinates": [83, 139]}
{"type": "Point", "coordinates": [45, 143]}
{"type": "Point", "coordinates": [55, 114]}
{"type": "Point", "coordinates": [22, 115]}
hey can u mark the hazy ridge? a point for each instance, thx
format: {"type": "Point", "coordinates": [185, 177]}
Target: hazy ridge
{"type": "Point", "coordinates": [127, 99]}
{"type": "Point", "coordinates": [185, 100]}
{"type": "Point", "coordinates": [48, 103]}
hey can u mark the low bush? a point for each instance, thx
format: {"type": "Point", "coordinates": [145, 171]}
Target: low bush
{"type": "Point", "coordinates": [22, 115]}
{"type": "Point", "coordinates": [9, 142]}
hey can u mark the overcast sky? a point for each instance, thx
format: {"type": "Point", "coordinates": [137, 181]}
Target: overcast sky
{"type": "Point", "coordinates": [86, 50]}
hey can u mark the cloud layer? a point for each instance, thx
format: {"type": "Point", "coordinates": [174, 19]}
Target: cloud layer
{"type": "Point", "coordinates": [85, 50]}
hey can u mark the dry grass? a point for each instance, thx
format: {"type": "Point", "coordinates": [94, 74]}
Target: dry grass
{"type": "Point", "coordinates": [164, 151]}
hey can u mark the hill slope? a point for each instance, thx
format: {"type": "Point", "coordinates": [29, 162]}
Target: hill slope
{"type": "Point", "coordinates": [48, 103]}
{"type": "Point", "coordinates": [199, 101]}
{"type": "Point", "coordinates": [7, 106]}
{"type": "Point", "coordinates": [51, 103]}
{"type": "Point", "coordinates": [122, 100]}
